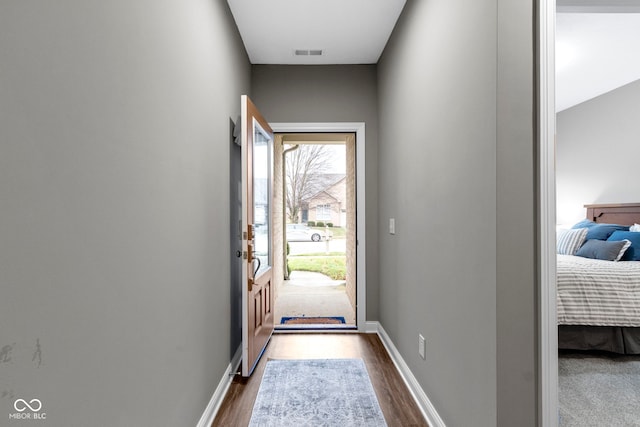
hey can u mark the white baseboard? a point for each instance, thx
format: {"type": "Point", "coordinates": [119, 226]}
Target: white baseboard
{"type": "Point", "coordinates": [371, 327]}
{"type": "Point", "coordinates": [426, 407]}
{"type": "Point", "coordinates": [223, 386]}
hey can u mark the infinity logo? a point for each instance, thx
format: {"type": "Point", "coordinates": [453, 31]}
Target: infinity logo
{"type": "Point", "coordinates": [24, 405]}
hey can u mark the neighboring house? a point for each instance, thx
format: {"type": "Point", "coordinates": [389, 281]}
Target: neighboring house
{"type": "Point", "coordinates": [328, 204]}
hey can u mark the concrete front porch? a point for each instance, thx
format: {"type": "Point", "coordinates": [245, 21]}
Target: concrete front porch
{"type": "Point", "coordinates": [313, 295]}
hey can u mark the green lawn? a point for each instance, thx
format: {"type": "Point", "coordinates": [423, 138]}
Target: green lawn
{"type": "Point", "coordinates": [332, 266]}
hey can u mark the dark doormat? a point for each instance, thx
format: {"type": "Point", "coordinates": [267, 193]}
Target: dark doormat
{"type": "Point", "coordinates": [335, 320]}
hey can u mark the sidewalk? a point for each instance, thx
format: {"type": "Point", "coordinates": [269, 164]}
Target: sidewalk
{"type": "Point", "coordinates": [313, 294]}
{"type": "Point", "coordinates": [309, 278]}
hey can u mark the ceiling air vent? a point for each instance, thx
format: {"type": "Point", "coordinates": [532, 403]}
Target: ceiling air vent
{"type": "Point", "coordinates": [307, 52]}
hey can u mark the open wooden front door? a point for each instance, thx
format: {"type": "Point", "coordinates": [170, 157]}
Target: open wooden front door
{"type": "Point", "coordinates": [257, 226]}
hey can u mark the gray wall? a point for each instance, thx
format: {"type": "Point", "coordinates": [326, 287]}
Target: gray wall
{"type": "Point", "coordinates": [456, 165]}
{"type": "Point", "coordinates": [114, 116]}
{"type": "Point", "coordinates": [340, 93]}
{"type": "Point", "coordinates": [115, 305]}
{"type": "Point", "coordinates": [516, 221]}
{"type": "Point", "coordinates": [597, 143]}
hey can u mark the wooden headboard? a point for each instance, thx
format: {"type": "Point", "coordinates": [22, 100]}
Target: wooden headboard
{"type": "Point", "coordinates": [620, 213]}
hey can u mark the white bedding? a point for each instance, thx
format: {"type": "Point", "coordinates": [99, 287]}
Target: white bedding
{"type": "Point", "coordinates": [600, 293]}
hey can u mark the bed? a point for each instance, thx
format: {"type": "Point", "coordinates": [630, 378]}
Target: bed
{"type": "Point", "coordinates": [599, 301]}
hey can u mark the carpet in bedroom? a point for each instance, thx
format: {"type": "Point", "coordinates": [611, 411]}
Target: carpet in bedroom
{"type": "Point", "coordinates": [598, 390]}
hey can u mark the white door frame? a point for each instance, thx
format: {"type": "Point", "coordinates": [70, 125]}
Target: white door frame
{"type": "Point", "coordinates": [361, 247]}
{"type": "Point", "coordinates": [548, 336]}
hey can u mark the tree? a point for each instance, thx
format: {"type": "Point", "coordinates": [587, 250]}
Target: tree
{"type": "Point", "coordinates": [304, 168]}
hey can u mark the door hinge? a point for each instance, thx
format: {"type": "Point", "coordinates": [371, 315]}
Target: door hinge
{"type": "Point", "coordinates": [250, 253]}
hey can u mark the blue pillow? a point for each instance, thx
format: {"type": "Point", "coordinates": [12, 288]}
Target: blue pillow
{"type": "Point", "coordinates": [633, 253]}
{"type": "Point", "coordinates": [585, 223]}
{"type": "Point", "coordinates": [603, 231]}
{"type": "Point", "coordinates": [599, 249]}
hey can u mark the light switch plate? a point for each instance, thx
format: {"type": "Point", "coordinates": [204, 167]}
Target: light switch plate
{"type": "Point", "coordinates": [392, 226]}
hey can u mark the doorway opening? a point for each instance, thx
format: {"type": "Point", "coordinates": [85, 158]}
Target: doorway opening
{"type": "Point", "coordinates": [315, 231]}
{"type": "Point", "coordinates": [600, 196]}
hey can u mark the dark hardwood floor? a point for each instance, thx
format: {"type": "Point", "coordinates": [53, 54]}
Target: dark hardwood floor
{"type": "Point", "coordinates": [397, 404]}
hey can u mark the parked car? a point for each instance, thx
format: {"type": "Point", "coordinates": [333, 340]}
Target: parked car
{"type": "Point", "coordinates": [303, 233]}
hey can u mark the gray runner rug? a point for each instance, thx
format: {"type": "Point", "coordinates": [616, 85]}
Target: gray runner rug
{"type": "Point", "coordinates": [327, 392]}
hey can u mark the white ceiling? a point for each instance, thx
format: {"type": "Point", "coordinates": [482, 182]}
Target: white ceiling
{"type": "Point", "coordinates": [347, 31]}
{"type": "Point", "coordinates": [595, 53]}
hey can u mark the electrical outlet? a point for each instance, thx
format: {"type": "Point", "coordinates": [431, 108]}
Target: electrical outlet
{"type": "Point", "coordinates": [392, 226]}
{"type": "Point", "coordinates": [421, 346]}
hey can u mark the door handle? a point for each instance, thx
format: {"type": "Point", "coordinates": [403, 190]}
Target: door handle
{"type": "Point", "coordinates": [258, 267]}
